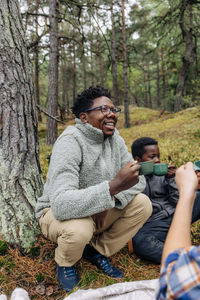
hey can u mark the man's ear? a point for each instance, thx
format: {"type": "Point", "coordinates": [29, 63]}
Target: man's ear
{"type": "Point", "coordinates": [138, 158]}
{"type": "Point", "coordinates": [83, 117]}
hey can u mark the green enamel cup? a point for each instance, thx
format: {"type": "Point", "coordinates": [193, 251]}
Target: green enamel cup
{"type": "Point", "coordinates": [160, 169]}
{"type": "Point", "coordinates": [197, 165]}
{"type": "Point", "coordinates": [146, 167]}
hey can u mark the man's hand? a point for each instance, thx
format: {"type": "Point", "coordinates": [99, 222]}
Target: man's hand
{"type": "Point", "coordinates": [186, 179]}
{"type": "Point", "coordinates": [99, 219]}
{"type": "Point", "coordinates": [127, 177]}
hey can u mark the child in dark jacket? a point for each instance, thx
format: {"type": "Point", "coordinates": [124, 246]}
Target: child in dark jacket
{"type": "Point", "coordinates": [163, 192]}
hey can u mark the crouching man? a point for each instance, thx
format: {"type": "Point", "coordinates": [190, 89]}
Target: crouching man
{"type": "Point", "coordinates": [92, 202]}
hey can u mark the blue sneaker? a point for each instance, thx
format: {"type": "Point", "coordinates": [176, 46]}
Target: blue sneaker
{"type": "Point", "coordinates": [101, 262]}
{"type": "Point", "coordinates": [67, 277]}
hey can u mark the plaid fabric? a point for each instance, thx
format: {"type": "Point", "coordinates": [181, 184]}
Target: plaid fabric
{"type": "Point", "coordinates": [180, 275]}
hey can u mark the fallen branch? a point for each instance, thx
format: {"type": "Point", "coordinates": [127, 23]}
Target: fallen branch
{"type": "Point", "coordinates": [47, 114]}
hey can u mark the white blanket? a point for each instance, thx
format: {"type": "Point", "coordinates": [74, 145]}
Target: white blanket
{"type": "Point", "coordinates": [138, 290]}
{"type": "Point", "coordinates": [135, 290]}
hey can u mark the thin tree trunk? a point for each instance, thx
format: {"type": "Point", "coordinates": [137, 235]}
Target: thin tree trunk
{"type": "Point", "coordinates": [149, 88]}
{"type": "Point", "coordinates": [64, 105]}
{"type": "Point", "coordinates": [114, 59]}
{"type": "Point", "coordinates": [189, 57]}
{"type": "Point", "coordinates": [163, 75]}
{"type": "Point", "coordinates": [20, 171]}
{"type": "Point", "coordinates": [145, 88]}
{"type": "Point", "coordinates": [101, 69]}
{"type": "Point", "coordinates": [53, 72]}
{"type": "Point", "coordinates": [126, 100]}
{"type": "Point", "coordinates": [27, 15]}
{"type": "Point", "coordinates": [84, 67]}
{"type": "Point", "coordinates": [158, 84]}
{"type": "Point", "coordinates": [37, 88]}
{"type": "Point", "coordinates": [74, 71]}
{"type": "Point", "coordinates": [91, 57]}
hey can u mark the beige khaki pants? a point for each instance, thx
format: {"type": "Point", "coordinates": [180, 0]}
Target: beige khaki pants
{"type": "Point", "coordinates": [72, 235]}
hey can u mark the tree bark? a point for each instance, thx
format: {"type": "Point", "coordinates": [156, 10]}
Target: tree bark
{"type": "Point", "coordinates": [53, 72]}
{"type": "Point", "coordinates": [20, 171]}
{"type": "Point", "coordinates": [126, 100]}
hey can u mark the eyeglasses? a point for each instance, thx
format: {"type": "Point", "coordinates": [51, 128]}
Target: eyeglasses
{"type": "Point", "coordinates": [106, 110]}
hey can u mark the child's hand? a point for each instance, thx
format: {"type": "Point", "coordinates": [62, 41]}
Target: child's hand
{"type": "Point", "coordinates": [171, 170]}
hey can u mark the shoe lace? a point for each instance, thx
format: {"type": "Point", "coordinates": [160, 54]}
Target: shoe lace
{"type": "Point", "coordinates": [104, 263]}
{"type": "Point", "coordinates": [70, 272]}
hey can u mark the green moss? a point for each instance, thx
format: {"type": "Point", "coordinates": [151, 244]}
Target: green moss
{"type": "Point", "coordinates": [3, 248]}
{"type": "Point", "coordinates": [34, 252]}
{"type": "Point", "coordinates": [39, 277]}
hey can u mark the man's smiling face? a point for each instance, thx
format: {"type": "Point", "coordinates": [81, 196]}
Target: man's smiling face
{"type": "Point", "coordinates": [97, 119]}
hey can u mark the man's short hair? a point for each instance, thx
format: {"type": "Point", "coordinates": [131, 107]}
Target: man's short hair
{"type": "Point", "coordinates": [138, 145]}
{"type": "Point", "coordinates": [84, 100]}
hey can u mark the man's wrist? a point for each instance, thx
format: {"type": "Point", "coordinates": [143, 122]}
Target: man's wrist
{"type": "Point", "coordinates": [113, 188]}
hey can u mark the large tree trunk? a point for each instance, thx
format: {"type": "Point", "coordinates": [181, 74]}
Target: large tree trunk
{"type": "Point", "coordinates": [20, 172]}
{"type": "Point", "coordinates": [53, 73]}
{"type": "Point", "coordinates": [114, 60]}
{"type": "Point", "coordinates": [126, 100]}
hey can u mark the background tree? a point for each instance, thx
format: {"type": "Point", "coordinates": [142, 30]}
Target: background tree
{"type": "Point", "coordinates": [53, 73]}
{"type": "Point", "coordinates": [126, 87]}
{"type": "Point", "coordinates": [20, 172]}
{"type": "Point", "coordinates": [162, 37]}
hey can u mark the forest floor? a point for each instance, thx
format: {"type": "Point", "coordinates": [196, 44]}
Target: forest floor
{"type": "Point", "coordinates": [178, 135]}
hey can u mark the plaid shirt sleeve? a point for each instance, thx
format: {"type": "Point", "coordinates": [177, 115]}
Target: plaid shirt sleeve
{"type": "Point", "coordinates": [180, 275]}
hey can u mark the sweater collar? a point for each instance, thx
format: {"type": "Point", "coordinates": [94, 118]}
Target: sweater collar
{"type": "Point", "coordinates": [89, 131]}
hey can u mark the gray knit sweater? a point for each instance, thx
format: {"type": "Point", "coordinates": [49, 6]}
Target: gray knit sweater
{"type": "Point", "coordinates": [82, 164]}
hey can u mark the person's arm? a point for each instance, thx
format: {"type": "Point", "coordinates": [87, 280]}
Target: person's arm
{"type": "Point", "coordinates": [179, 232]}
{"type": "Point", "coordinates": [66, 197]}
{"type": "Point", "coordinates": [124, 196]}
